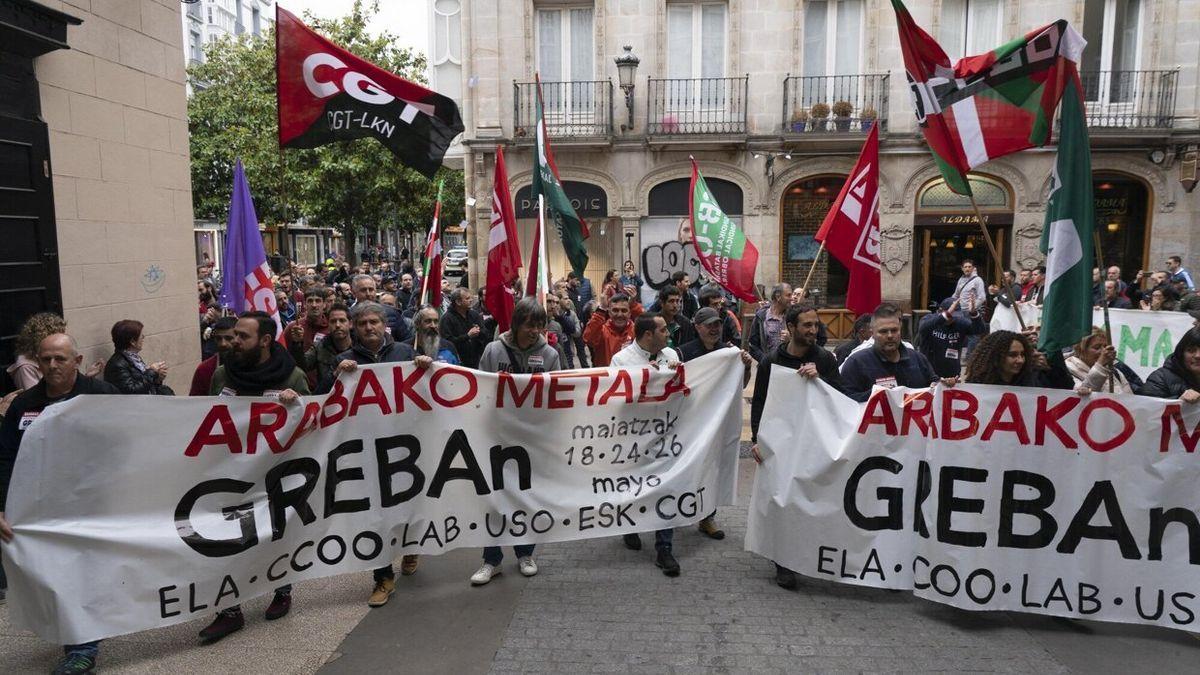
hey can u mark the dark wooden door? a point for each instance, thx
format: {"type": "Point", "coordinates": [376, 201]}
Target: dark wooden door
{"type": "Point", "coordinates": [29, 281]}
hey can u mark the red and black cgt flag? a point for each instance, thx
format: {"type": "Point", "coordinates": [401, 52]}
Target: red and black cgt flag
{"type": "Point", "coordinates": [327, 94]}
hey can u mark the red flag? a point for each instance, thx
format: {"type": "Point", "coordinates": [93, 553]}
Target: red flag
{"type": "Point", "coordinates": [504, 251]}
{"type": "Point", "coordinates": [327, 94]}
{"type": "Point", "coordinates": [851, 229]}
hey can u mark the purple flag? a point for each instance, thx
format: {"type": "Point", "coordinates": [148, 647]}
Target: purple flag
{"type": "Point", "coordinates": [245, 276]}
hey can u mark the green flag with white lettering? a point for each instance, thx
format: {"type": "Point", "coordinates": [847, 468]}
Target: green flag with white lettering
{"type": "Point", "coordinates": [1067, 234]}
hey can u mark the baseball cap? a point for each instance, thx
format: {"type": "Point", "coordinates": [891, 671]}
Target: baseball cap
{"type": "Point", "coordinates": [705, 315]}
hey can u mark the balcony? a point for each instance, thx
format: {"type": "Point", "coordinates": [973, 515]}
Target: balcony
{"type": "Point", "coordinates": [835, 104]}
{"type": "Point", "coordinates": [1130, 99]}
{"type": "Point", "coordinates": [709, 105]}
{"type": "Point", "coordinates": [580, 109]}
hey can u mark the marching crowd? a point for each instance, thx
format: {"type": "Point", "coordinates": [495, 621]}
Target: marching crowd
{"type": "Point", "coordinates": [337, 319]}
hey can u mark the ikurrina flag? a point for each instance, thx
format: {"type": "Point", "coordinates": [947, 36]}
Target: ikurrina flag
{"type": "Point", "coordinates": [724, 251]}
{"type": "Point", "coordinates": [990, 105]}
{"type": "Point", "coordinates": [1067, 234]}
{"type": "Point", "coordinates": [431, 286]}
{"type": "Point", "coordinates": [851, 229]}
{"type": "Point", "coordinates": [327, 94]}
{"type": "Point", "coordinates": [571, 229]}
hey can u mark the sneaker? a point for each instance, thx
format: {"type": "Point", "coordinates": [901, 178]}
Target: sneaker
{"type": "Point", "coordinates": [527, 566]}
{"type": "Point", "coordinates": [484, 574]}
{"type": "Point", "coordinates": [383, 591]}
{"type": "Point", "coordinates": [633, 542]}
{"type": "Point", "coordinates": [667, 563]}
{"type": "Point", "coordinates": [709, 527]}
{"type": "Point", "coordinates": [228, 621]}
{"type": "Point", "coordinates": [279, 607]}
{"type": "Point", "coordinates": [408, 564]}
{"type": "Point", "coordinates": [785, 578]}
{"type": "Point", "coordinates": [74, 663]}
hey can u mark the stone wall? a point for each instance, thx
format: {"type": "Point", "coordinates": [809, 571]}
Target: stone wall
{"type": "Point", "coordinates": [117, 114]}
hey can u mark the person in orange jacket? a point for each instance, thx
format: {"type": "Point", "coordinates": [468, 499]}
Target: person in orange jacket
{"type": "Point", "coordinates": [610, 328]}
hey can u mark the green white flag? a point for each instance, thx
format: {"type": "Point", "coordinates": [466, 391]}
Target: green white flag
{"type": "Point", "coordinates": [571, 229]}
{"type": "Point", "coordinates": [1067, 235]}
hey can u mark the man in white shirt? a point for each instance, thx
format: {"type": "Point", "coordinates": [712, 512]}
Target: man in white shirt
{"type": "Point", "coordinates": [649, 347]}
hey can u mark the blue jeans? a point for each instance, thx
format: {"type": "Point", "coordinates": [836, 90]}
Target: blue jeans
{"type": "Point", "coordinates": [89, 649]}
{"type": "Point", "coordinates": [492, 555]}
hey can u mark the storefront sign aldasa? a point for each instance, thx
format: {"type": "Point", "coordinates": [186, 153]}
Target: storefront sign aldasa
{"type": "Point", "coordinates": [588, 200]}
{"type": "Point", "coordinates": [951, 219]}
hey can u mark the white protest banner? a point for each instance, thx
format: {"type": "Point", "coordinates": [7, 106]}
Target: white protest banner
{"type": "Point", "coordinates": [1143, 339]}
{"type": "Point", "coordinates": [986, 498]}
{"type": "Point", "coordinates": [136, 512]}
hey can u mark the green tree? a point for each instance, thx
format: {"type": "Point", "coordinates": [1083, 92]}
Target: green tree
{"type": "Point", "coordinates": [348, 186]}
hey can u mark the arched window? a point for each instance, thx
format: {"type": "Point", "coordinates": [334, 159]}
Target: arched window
{"type": "Point", "coordinates": [671, 198]}
{"type": "Point", "coordinates": [804, 206]}
{"type": "Point", "coordinates": [989, 193]}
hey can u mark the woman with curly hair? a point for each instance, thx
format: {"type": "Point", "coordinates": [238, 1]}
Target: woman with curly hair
{"type": "Point", "coordinates": [25, 372]}
{"type": "Point", "coordinates": [1009, 359]}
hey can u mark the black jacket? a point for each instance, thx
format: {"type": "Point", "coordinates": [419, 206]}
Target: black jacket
{"type": "Point", "coordinates": [943, 342]}
{"type": "Point", "coordinates": [756, 343]}
{"type": "Point", "coordinates": [389, 352]}
{"type": "Point", "coordinates": [454, 327]}
{"type": "Point", "coordinates": [30, 403]}
{"type": "Point", "coordinates": [863, 369]}
{"type": "Point", "coordinates": [1170, 381]}
{"type": "Point", "coordinates": [121, 372]}
{"type": "Point", "coordinates": [827, 369]}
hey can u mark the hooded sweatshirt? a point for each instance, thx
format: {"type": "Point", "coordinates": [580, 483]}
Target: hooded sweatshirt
{"type": "Point", "coordinates": [1170, 381]}
{"type": "Point", "coordinates": [502, 355]}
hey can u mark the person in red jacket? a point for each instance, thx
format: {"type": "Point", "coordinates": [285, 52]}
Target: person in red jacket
{"type": "Point", "coordinates": [610, 328]}
{"type": "Point", "coordinates": [222, 335]}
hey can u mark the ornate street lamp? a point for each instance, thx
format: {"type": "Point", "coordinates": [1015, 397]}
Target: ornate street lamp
{"type": "Point", "coordinates": [627, 65]}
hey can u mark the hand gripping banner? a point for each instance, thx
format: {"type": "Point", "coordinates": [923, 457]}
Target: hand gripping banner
{"type": "Point", "coordinates": [129, 517]}
{"type": "Point", "coordinates": [986, 498]}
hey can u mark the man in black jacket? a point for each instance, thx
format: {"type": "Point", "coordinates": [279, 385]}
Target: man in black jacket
{"type": "Point", "coordinates": [887, 363]}
{"type": "Point", "coordinates": [943, 336]}
{"type": "Point", "coordinates": [679, 328]}
{"type": "Point", "coordinates": [257, 365]}
{"type": "Point", "coordinates": [799, 353]}
{"type": "Point", "coordinates": [59, 359]}
{"type": "Point", "coordinates": [708, 330]}
{"type": "Point", "coordinates": [373, 344]}
{"type": "Point", "coordinates": [463, 327]}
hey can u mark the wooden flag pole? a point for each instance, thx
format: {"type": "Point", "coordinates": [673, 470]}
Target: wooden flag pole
{"type": "Point", "coordinates": [812, 269]}
{"type": "Point", "coordinates": [1104, 302]}
{"type": "Point", "coordinates": [998, 266]}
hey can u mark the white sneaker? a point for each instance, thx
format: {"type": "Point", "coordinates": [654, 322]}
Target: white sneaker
{"type": "Point", "coordinates": [527, 565]}
{"type": "Point", "coordinates": [485, 574]}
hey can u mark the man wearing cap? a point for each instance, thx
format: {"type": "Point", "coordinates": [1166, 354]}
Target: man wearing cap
{"type": "Point", "coordinates": [708, 328]}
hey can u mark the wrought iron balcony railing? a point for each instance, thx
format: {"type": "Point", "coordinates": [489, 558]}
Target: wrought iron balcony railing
{"type": "Point", "coordinates": [577, 109]}
{"type": "Point", "coordinates": [1130, 99]}
{"type": "Point", "coordinates": [708, 105]}
{"type": "Point", "coordinates": [835, 103]}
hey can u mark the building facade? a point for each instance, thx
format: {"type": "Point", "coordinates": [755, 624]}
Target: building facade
{"type": "Point", "coordinates": [206, 21]}
{"type": "Point", "coordinates": [774, 99]}
{"type": "Point", "coordinates": [95, 186]}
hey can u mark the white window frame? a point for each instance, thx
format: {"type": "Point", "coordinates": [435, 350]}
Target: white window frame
{"type": "Point", "coordinates": [1108, 38]}
{"type": "Point", "coordinates": [831, 51]}
{"type": "Point", "coordinates": [969, 24]}
{"type": "Point", "coordinates": [697, 65]}
{"type": "Point", "coordinates": [316, 252]}
{"type": "Point", "coordinates": [698, 101]}
{"type": "Point", "coordinates": [563, 111]}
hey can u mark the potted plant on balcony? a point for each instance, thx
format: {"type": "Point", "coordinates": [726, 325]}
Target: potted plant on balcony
{"type": "Point", "coordinates": [819, 113]}
{"type": "Point", "coordinates": [799, 120]}
{"type": "Point", "coordinates": [868, 116]}
{"type": "Point", "coordinates": [841, 114]}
